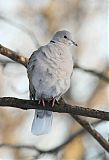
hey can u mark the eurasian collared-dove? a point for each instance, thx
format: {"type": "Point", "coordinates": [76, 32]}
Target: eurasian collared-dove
{"type": "Point", "coordinates": [49, 71]}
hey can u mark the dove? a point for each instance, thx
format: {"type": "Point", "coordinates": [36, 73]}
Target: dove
{"type": "Point", "coordinates": [49, 71]}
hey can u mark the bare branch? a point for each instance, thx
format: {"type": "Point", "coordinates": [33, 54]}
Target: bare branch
{"type": "Point", "coordinates": [13, 55]}
{"type": "Point", "coordinates": [61, 107]}
{"type": "Point", "coordinates": [92, 131]}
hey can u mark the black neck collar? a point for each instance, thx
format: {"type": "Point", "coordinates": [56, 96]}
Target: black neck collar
{"type": "Point", "coordinates": [52, 41]}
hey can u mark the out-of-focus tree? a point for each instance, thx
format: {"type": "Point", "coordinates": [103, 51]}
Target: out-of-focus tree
{"type": "Point", "coordinates": [87, 21]}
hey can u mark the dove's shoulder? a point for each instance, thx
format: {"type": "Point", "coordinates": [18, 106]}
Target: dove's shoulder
{"type": "Point", "coordinates": [38, 52]}
{"type": "Point", "coordinates": [34, 56]}
{"type": "Point", "coordinates": [37, 58]}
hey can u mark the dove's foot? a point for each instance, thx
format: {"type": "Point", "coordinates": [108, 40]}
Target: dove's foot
{"type": "Point", "coordinates": [41, 101]}
{"type": "Point", "coordinates": [54, 100]}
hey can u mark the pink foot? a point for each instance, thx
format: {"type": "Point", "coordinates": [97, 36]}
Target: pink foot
{"type": "Point", "coordinates": [41, 101]}
{"type": "Point", "coordinates": [53, 102]}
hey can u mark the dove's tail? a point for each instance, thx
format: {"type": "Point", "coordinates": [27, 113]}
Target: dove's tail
{"type": "Point", "coordinates": [42, 122]}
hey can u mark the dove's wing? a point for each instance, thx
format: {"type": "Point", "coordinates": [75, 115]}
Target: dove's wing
{"type": "Point", "coordinates": [30, 68]}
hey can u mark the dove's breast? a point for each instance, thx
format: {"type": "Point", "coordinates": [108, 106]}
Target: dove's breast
{"type": "Point", "coordinates": [59, 59]}
{"type": "Point", "coordinates": [51, 72]}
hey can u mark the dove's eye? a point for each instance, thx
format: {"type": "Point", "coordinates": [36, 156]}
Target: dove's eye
{"type": "Point", "coordinates": [65, 36]}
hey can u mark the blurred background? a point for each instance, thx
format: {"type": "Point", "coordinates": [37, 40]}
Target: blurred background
{"type": "Point", "coordinates": [24, 26]}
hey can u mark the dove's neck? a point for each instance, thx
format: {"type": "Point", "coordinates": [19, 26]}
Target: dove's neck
{"type": "Point", "coordinates": [52, 41]}
{"type": "Point", "coordinates": [60, 45]}
{"type": "Point", "coordinates": [58, 51]}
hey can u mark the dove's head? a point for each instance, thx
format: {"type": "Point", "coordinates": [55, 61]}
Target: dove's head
{"type": "Point", "coordinates": [64, 37]}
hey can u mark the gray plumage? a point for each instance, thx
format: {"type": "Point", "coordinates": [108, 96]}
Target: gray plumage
{"type": "Point", "coordinates": [49, 72]}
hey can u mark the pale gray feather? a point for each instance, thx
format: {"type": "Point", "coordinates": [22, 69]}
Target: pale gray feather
{"type": "Point", "coordinates": [49, 71]}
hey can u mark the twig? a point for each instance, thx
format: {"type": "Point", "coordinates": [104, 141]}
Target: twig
{"type": "Point", "coordinates": [61, 107]}
{"type": "Point", "coordinates": [93, 132]}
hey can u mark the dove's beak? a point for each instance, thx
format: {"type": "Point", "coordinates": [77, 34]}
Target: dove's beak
{"type": "Point", "coordinates": [74, 43]}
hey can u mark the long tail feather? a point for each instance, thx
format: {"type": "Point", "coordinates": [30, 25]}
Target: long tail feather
{"type": "Point", "coordinates": [42, 122]}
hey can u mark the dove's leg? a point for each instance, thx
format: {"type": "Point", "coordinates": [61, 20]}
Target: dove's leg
{"type": "Point", "coordinates": [42, 101]}
{"type": "Point", "coordinates": [53, 101]}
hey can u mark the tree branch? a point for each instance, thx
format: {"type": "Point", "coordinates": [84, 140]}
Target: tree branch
{"type": "Point", "coordinates": [61, 107]}
{"type": "Point", "coordinates": [13, 55]}
{"type": "Point", "coordinates": [92, 131]}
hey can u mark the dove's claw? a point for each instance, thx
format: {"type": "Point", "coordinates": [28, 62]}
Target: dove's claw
{"type": "Point", "coordinates": [41, 101]}
{"type": "Point", "coordinates": [53, 102]}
